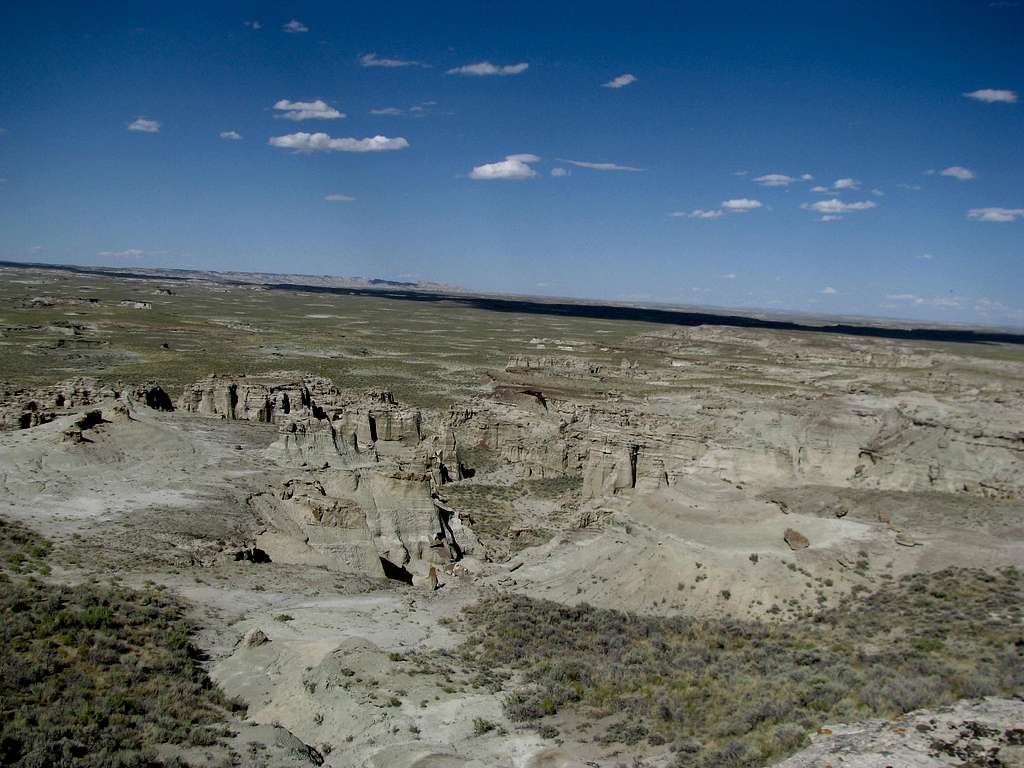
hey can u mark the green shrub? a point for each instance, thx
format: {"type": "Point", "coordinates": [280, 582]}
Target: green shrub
{"type": "Point", "coordinates": [482, 726]}
{"type": "Point", "coordinates": [96, 676]}
{"type": "Point", "coordinates": [745, 693]}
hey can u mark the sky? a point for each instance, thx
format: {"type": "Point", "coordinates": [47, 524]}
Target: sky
{"type": "Point", "coordinates": [861, 158]}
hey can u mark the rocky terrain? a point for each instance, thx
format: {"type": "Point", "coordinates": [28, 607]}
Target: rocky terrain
{"type": "Point", "coordinates": [332, 481]}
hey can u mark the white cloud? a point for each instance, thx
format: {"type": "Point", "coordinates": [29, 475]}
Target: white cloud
{"type": "Point", "coordinates": [485, 68]}
{"type": "Point", "coordinates": [321, 142]}
{"type": "Point", "coordinates": [828, 290]}
{"type": "Point", "coordinates": [728, 276]}
{"type": "Point", "coordinates": [372, 60]}
{"type": "Point", "coordinates": [924, 257]}
{"type": "Point", "coordinates": [959, 173]}
{"type": "Point", "coordinates": [386, 111]}
{"type": "Point", "coordinates": [129, 253]}
{"type": "Point", "coordinates": [774, 180]}
{"type": "Point", "coordinates": [253, 24]}
{"type": "Point", "coordinates": [741, 205]}
{"type": "Point", "coordinates": [877, 193]}
{"type": "Point", "coordinates": [821, 190]}
{"type": "Point", "coordinates": [600, 166]}
{"type": "Point", "coordinates": [621, 81]}
{"type": "Point", "coordinates": [993, 96]}
{"type": "Point", "coordinates": [806, 177]}
{"type": "Point", "coordinates": [846, 184]}
{"type": "Point", "coordinates": [231, 135]}
{"type": "Point", "coordinates": [294, 26]}
{"type": "Point", "coordinates": [986, 307]}
{"type": "Point", "coordinates": [515, 167]}
{"type": "Point", "coordinates": [911, 187]}
{"type": "Point", "coordinates": [830, 217]}
{"type": "Point", "coordinates": [559, 172]}
{"type": "Point", "coordinates": [307, 110]}
{"type": "Point", "coordinates": [835, 206]}
{"type": "Point", "coordinates": [699, 213]}
{"type": "Point", "coordinates": [1001, 215]}
{"type": "Point", "coordinates": [945, 302]}
{"type": "Point", "coordinates": [336, 198]}
{"type": "Point", "coordinates": [144, 125]}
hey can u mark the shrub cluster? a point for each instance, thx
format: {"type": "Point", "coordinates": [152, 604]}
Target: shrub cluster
{"type": "Point", "coordinates": [96, 676]}
{"type": "Point", "coordinates": [727, 692]}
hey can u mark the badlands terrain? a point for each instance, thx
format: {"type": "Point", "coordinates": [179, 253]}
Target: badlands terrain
{"type": "Point", "coordinates": [251, 521]}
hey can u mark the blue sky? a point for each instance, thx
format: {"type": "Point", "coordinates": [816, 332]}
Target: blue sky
{"type": "Point", "coordinates": [909, 118]}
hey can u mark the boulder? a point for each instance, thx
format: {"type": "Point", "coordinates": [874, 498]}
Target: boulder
{"type": "Point", "coordinates": [254, 638]}
{"type": "Point", "coordinates": [795, 539]}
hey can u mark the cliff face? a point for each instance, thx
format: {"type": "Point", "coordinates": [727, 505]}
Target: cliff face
{"type": "Point", "coordinates": [360, 498]}
{"type": "Point", "coordinates": [915, 442]}
{"type": "Point", "coordinates": [375, 462]}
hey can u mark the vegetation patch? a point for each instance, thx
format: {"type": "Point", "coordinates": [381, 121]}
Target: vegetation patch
{"type": "Point", "coordinates": [95, 675]}
{"type": "Point", "coordinates": [22, 550]}
{"type": "Point", "coordinates": [727, 692]}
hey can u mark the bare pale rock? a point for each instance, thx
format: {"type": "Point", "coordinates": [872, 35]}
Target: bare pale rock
{"type": "Point", "coordinates": [254, 638]}
{"type": "Point", "coordinates": [971, 732]}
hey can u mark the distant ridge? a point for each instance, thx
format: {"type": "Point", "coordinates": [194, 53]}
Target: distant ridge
{"type": "Point", "coordinates": [649, 313]}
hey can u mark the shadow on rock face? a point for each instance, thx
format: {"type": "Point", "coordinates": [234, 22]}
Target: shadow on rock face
{"type": "Point", "coordinates": [396, 572]}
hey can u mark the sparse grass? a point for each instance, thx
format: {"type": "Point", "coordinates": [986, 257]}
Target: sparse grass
{"type": "Point", "coordinates": [482, 726]}
{"type": "Point", "coordinates": [730, 692]}
{"type": "Point", "coordinates": [95, 675]}
{"type": "Point", "coordinates": [22, 550]}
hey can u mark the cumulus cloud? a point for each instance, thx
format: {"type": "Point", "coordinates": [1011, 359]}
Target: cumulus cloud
{"type": "Point", "coordinates": [741, 205]}
{"type": "Point", "coordinates": [295, 26]}
{"type": "Point", "coordinates": [372, 60]}
{"type": "Point", "coordinates": [836, 206]}
{"type": "Point", "coordinates": [846, 184]}
{"type": "Point", "coordinates": [231, 135]}
{"type": "Point", "coordinates": [774, 180]}
{"type": "Point", "coordinates": [485, 68]}
{"type": "Point", "coordinates": [924, 256]}
{"type": "Point", "coordinates": [959, 173]}
{"type": "Point", "coordinates": [699, 213]}
{"type": "Point", "coordinates": [993, 96]}
{"type": "Point", "coordinates": [386, 111]}
{"type": "Point", "coordinates": [128, 253]}
{"type": "Point", "coordinates": [559, 172]}
{"type": "Point", "coordinates": [806, 177]}
{"type": "Point", "coordinates": [514, 167]}
{"type": "Point", "coordinates": [600, 166]}
{"type": "Point", "coordinates": [946, 302]}
{"type": "Point", "coordinates": [336, 198]}
{"type": "Point", "coordinates": [877, 193]}
{"type": "Point", "coordinates": [828, 290]}
{"type": "Point", "coordinates": [830, 217]}
{"type": "Point", "coordinates": [307, 110]}
{"type": "Point", "coordinates": [144, 125]}
{"type": "Point", "coordinates": [1000, 215]}
{"type": "Point", "coordinates": [621, 81]}
{"type": "Point", "coordinates": [821, 190]}
{"type": "Point", "coordinates": [321, 142]}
